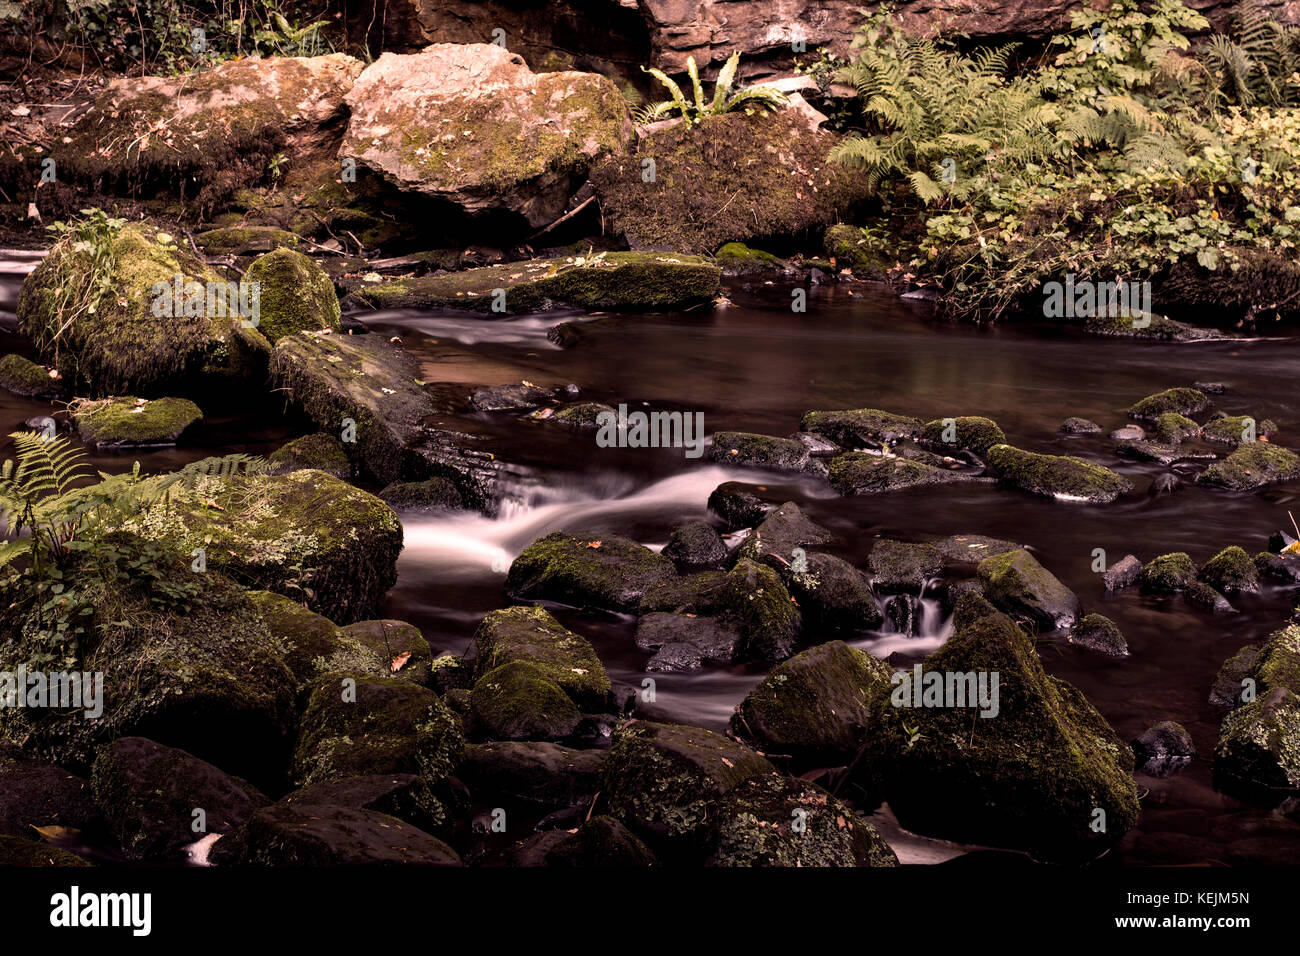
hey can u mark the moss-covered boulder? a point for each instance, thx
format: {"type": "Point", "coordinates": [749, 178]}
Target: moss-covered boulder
{"type": "Point", "coordinates": [356, 724]}
{"type": "Point", "coordinates": [25, 378]}
{"type": "Point", "coordinates": [473, 125]}
{"type": "Point", "coordinates": [311, 645]}
{"type": "Point", "coordinates": [21, 852]}
{"type": "Point", "coordinates": [629, 281]}
{"type": "Point", "coordinates": [1099, 633]}
{"type": "Point", "coordinates": [862, 473]}
{"type": "Point", "coordinates": [1259, 742]}
{"type": "Point", "coordinates": [1231, 571]}
{"type": "Point", "coordinates": [583, 415]}
{"type": "Point", "coordinates": [1172, 428]}
{"type": "Point", "coordinates": [321, 451]}
{"type": "Point", "coordinates": [1163, 749]}
{"type": "Point", "coordinates": [534, 773]}
{"type": "Point", "coordinates": [400, 646]}
{"type": "Point", "coordinates": [833, 596]}
{"type": "Point", "coordinates": [1018, 584]}
{"type": "Point", "coordinates": [1079, 426]}
{"type": "Point", "coordinates": [325, 835]}
{"type": "Point", "coordinates": [971, 549]}
{"type": "Point", "coordinates": [738, 259]}
{"type": "Point", "coordinates": [118, 343]}
{"type": "Point", "coordinates": [1252, 465]}
{"type": "Point", "coordinates": [304, 534]}
{"type": "Point", "coordinates": [519, 701]}
{"type": "Point", "coordinates": [700, 593]}
{"type": "Point", "coordinates": [695, 545]}
{"type": "Point", "coordinates": [1032, 776]}
{"type": "Point", "coordinates": [746, 450]}
{"type": "Point", "coordinates": [858, 427]}
{"type": "Point", "coordinates": [815, 707]}
{"type": "Point", "coordinates": [770, 621]}
{"type": "Point", "coordinates": [969, 432]}
{"type": "Point", "coordinates": [898, 566]}
{"type": "Point", "coordinates": [401, 795]}
{"type": "Point", "coordinates": [1184, 401]}
{"type": "Point", "coordinates": [150, 794]}
{"type": "Point", "coordinates": [662, 780]}
{"type": "Point", "coordinates": [1057, 476]}
{"type": "Point", "coordinates": [775, 540]}
{"type": "Point", "coordinates": [771, 820]}
{"type": "Point", "coordinates": [295, 295]}
{"type": "Point", "coordinates": [531, 635]}
{"type": "Point", "coordinates": [734, 177]}
{"type": "Point", "coordinates": [1236, 429]}
{"type": "Point", "coordinates": [1167, 573]}
{"type": "Point", "coordinates": [601, 843]}
{"type": "Point", "coordinates": [134, 422]}
{"type": "Point", "coordinates": [1226, 693]}
{"type": "Point", "coordinates": [737, 504]}
{"type": "Point", "coordinates": [609, 572]}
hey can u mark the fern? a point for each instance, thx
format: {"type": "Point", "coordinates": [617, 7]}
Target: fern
{"type": "Point", "coordinates": [724, 99]}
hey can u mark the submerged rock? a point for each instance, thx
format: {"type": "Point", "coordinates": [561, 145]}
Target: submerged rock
{"type": "Point", "coordinates": [1057, 476]}
{"type": "Point", "coordinates": [1031, 778]}
{"type": "Point", "coordinates": [814, 708]}
{"type": "Point", "coordinates": [695, 545]}
{"type": "Point", "coordinates": [612, 572]}
{"type": "Point", "coordinates": [1018, 584]}
{"type": "Point", "coordinates": [1079, 426]}
{"type": "Point", "coordinates": [969, 432]}
{"type": "Point", "coordinates": [509, 398]}
{"type": "Point", "coordinates": [1252, 465]}
{"type": "Point", "coordinates": [134, 422]}
{"type": "Point", "coordinates": [771, 820]}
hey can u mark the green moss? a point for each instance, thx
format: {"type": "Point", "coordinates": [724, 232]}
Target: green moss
{"type": "Point", "coordinates": [1278, 663]}
{"type": "Point", "coordinates": [312, 645]}
{"type": "Point", "coordinates": [321, 451]}
{"type": "Point", "coordinates": [242, 240]}
{"type": "Point", "coordinates": [132, 421]}
{"type": "Point", "coordinates": [22, 852]}
{"type": "Point", "coordinates": [614, 280]}
{"type": "Point", "coordinates": [1231, 571]}
{"type": "Point", "coordinates": [903, 566]}
{"type": "Point", "coordinates": [296, 295]}
{"type": "Point", "coordinates": [1184, 401]}
{"type": "Point", "coordinates": [1167, 573]}
{"type": "Point", "coordinates": [1234, 429]}
{"type": "Point", "coordinates": [1259, 743]}
{"type": "Point", "coordinates": [1172, 428]}
{"type": "Point", "coordinates": [1099, 633]}
{"type": "Point", "coordinates": [769, 619]}
{"type": "Point", "coordinates": [736, 258]}
{"type": "Point", "coordinates": [969, 431]}
{"type": "Point", "coordinates": [583, 415]}
{"type": "Point", "coordinates": [1018, 584]}
{"type": "Point", "coordinates": [531, 634]}
{"type": "Point", "coordinates": [435, 494]}
{"type": "Point", "coordinates": [519, 701]}
{"type": "Point", "coordinates": [1252, 465]}
{"type": "Point", "coordinates": [701, 593]}
{"type": "Point", "coordinates": [1057, 476]}
{"type": "Point", "coordinates": [26, 378]}
{"type": "Point", "coordinates": [862, 473]}
{"type": "Point", "coordinates": [611, 572]}
{"type": "Point", "coordinates": [747, 450]}
{"type": "Point", "coordinates": [853, 428]}
{"type": "Point", "coordinates": [860, 250]}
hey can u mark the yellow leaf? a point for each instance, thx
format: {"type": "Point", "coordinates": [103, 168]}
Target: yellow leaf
{"type": "Point", "coordinates": [400, 660]}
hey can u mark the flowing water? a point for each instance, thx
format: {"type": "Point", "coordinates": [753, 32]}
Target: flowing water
{"type": "Point", "coordinates": [756, 366]}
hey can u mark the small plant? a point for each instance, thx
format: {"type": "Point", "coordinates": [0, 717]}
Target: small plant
{"type": "Point", "coordinates": [91, 240]}
{"type": "Point", "coordinates": [726, 96]}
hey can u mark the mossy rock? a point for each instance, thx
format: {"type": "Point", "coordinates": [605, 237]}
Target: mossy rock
{"type": "Point", "coordinates": [305, 534]}
{"type": "Point", "coordinates": [1030, 778]}
{"type": "Point", "coordinates": [532, 635]}
{"type": "Point", "coordinates": [738, 506]}
{"type": "Point", "coordinates": [36, 793]}
{"type": "Point", "coordinates": [401, 647]}
{"type": "Point", "coordinates": [422, 497]}
{"type": "Point", "coordinates": [355, 724]}
{"type": "Point", "coordinates": [583, 415]}
{"type": "Point", "coordinates": [774, 541]}
{"type": "Point", "coordinates": [296, 295]}
{"type": "Point", "coordinates": [968, 549]}
{"type": "Point", "coordinates": [746, 450]}
{"type": "Point", "coordinates": [1231, 571]}
{"type": "Point", "coordinates": [149, 792]}
{"type": "Point", "coordinates": [122, 347]}
{"type": "Point", "coordinates": [969, 432]}
{"type": "Point", "coordinates": [519, 701]}
{"type": "Point", "coordinates": [1259, 745]}
{"type": "Point", "coordinates": [610, 572]}
{"type": "Point", "coordinates": [1229, 684]}
{"type": "Point", "coordinates": [1172, 428]}
{"type": "Point", "coordinates": [1238, 429]}
{"type": "Point", "coordinates": [401, 795]}
{"type": "Point", "coordinates": [25, 378]}
{"type": "Point", "coordinates": [21, 852]}
{"type": "Point", "coordinates": [321, 451]}
{"type": "Point", "coordinates": [1184, 401]}
{"type": "Point", "coordinates": [663, 780]}
{"type": "Point", "coordinates": [833, 596]}
{"type": "Point", "coordinates": [135, 422]}
{"type": "Point", "coordinates": [1278, 663]}
{"type": "Point", "coordinates": [700, 593]}
{"type": "Point", "coordinates": [534, 773]}
{"type": "Point", "coordinates": [205, 676]}
{"type": "Point", "coordinates": [773, 820]}
{"type": "Point", "coordinates": [601, 843]}
{"type": "Point", "coordinates": [898, 566]}
{"type": "Point", "coordinates": [770, 621]}
{"type": "Point", "coordinates": [1079, 426]}
{"type": "Point", "coordinates": [312, 645]}
{"type": "Point", "coordinates": [1099, 633]}
{"type": "Point", "coordinates": [695, 545]}
{"type": "Point", "coordinates": [1057, 476]}
{"type": "Point", "coordinates": [1167, 573]}
{"type": "Point", "coordinates": [1018, 584]}
{"type": "Point", "coordinates": [813, 708]}
{"type": "Point", "coordinates": [862, 473]}
{"type": "Point", "coordinates": [243, 240]}
{"type": "Point", "coordinates": [730, 178]}
{"type": "Point", "coordinates": [1252, 465]}
{"type": "Point", "coordinates": [619, 281]}
{"type": "Point", "coordinates": [738, 259]}
{"type": "Point", "coordinates": [856, 427]}
{"type": "Point", "coordinates": [854, 248]}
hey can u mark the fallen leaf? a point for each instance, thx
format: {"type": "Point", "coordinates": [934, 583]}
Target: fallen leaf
{"type": "Point", "coordinates": [57, 832]}
{"type": "Point", "coordinates": [400, 661]}
{"type": "Point", "coordinates": [593, 544]}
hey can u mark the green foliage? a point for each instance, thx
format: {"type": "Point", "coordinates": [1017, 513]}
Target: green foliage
{"type": "Point", "coordinates": [726, 96]}
{"type": "Point", "coordinates": [1258, 66]}
{"type": "Point", "coordinates": [91, 240]}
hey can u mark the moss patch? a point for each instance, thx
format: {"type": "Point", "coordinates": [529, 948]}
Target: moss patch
{"type": "Point", "coordinates": [1184, 401]}
{"type": "Point", "coordinates": [1252, 465]}
{"type": "Point", "coordinates": [24, 377]}
{"type": "Point", "coordinates": [321, 451]}
{"type": "Point", "coordinates": [531, 634]}
{"type": "Point", "coordinates": [1057, 476]}
{"type": "Point", "coordinates": [295, 295]}
{"type": "Point", "coordinates": [135, 422]}
{"type": "Point", "coordinates": [610, 572]}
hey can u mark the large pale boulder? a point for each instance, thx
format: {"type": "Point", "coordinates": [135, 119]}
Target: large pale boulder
{"type": "Point", "coordinates": [472, 124]}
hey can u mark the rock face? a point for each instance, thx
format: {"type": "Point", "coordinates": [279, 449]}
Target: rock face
{"type": "Point", "coordinates": [218, 128]}
{"type": "Point", "coordinates": [473, 125]}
